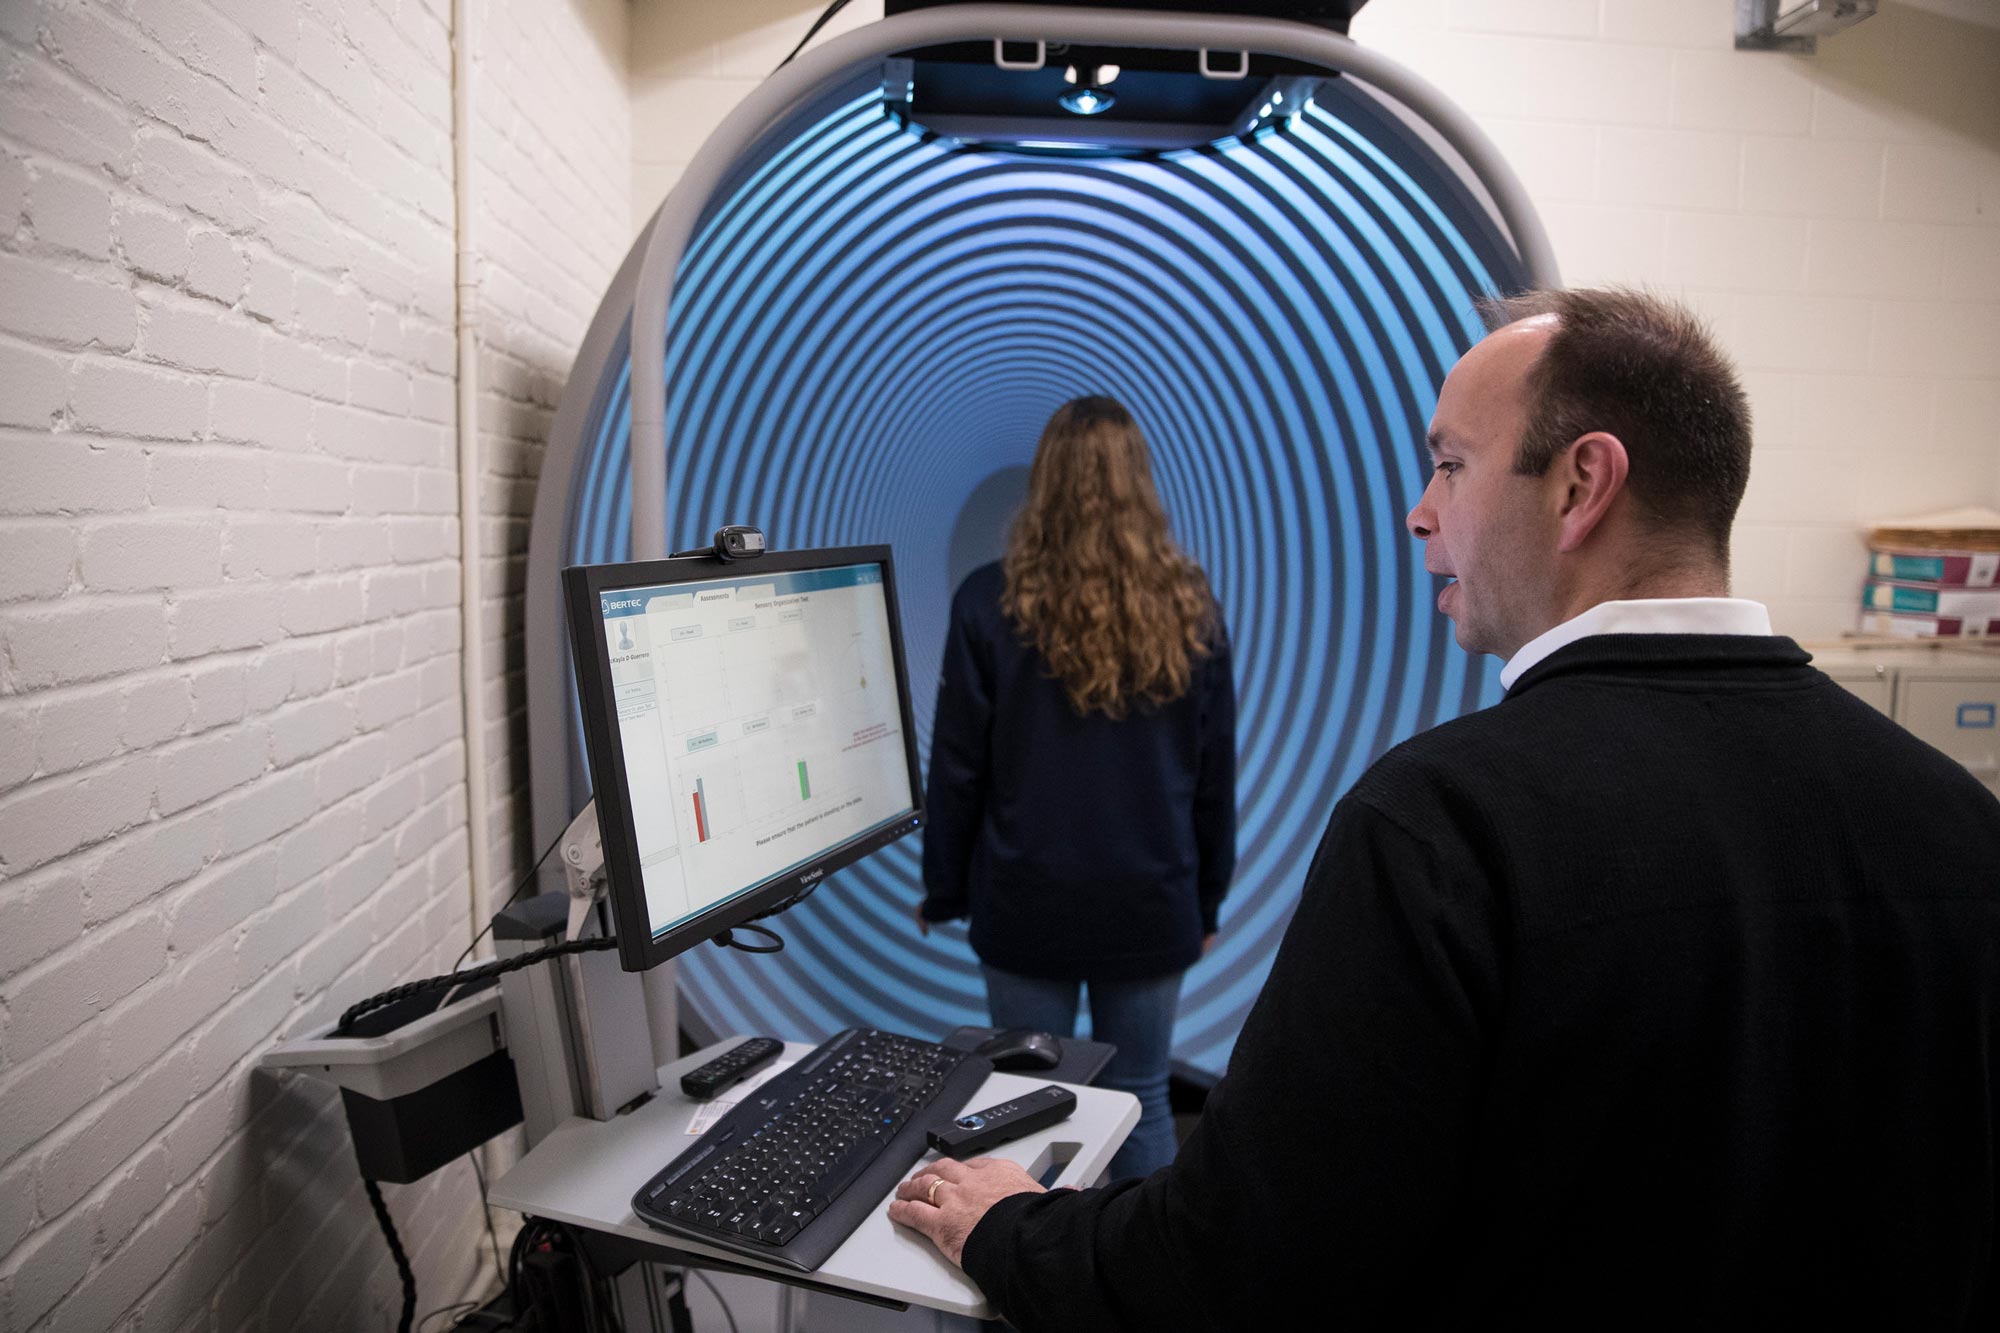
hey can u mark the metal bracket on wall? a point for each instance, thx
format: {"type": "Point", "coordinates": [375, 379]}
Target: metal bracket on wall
{"type": "Point", "coordinates": [1236, 69]}
{"type": "Point", "coordinates": [1795, 25]}
{"type": "Point", "coordinates": [1004, 61]}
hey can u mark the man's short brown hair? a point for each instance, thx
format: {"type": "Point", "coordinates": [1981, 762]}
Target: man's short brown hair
{"type": "Point", "coordinates": [1645, 370]}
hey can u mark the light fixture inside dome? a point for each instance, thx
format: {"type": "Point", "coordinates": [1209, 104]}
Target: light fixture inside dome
{"type": "Point", "coordinates": [1086, 101]}
{"type": "Point", "coordinates": [1060, 92]}
{"type": "Point", "coordinates": [1088, 95]}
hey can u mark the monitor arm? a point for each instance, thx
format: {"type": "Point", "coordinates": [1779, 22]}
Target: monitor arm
{"type": "Point", "coordinates": [583, 867]}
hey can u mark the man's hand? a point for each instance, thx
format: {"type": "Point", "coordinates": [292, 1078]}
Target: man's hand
{"type": "Point", "coordinates": [923, 926]}
{"type": "Point", "coordinates": [1207, 943]}
{"type": "Point", "coordinates": [946, 1199]}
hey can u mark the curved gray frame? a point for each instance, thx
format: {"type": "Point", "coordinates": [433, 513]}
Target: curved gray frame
{"type": "Point", "coordinates": [551, 803]}
{"type": "Point", "coordinates": [656, 257]}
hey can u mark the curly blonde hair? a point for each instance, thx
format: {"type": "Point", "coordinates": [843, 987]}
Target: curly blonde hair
{"type": "Point", "coordinates": [1094, 578]}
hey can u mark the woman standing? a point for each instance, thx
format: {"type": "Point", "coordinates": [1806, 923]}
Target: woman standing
{"type": "Point", "coordinates": [1082, 784]}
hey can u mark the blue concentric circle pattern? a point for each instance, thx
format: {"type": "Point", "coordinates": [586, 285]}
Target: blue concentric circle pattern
{"type": "Point", "coordinates": [874, 321]}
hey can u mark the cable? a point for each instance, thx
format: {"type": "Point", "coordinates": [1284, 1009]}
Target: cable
{"type": "Point", "coordinates": [497, 968]}
{"type": "Point", "coordinates": [457, 1309]}
{"type": "Point", "coordinates": [594, 1282]}
{"type": "Point", "coordinates": [790, 902]}
{"type": "Point", "coordinates": [588, 1281]}
{"type": "Point", "coordinates": [727, 940]}
{"type": "Point", "coordinates": [526, 880]}
{"type": "Point", "coordinates": [717, 1293]}
{"type": "Point", "coordinates": [452, 978]}
{"type": "Point", "coordinates": [526, 1240]}
{"type": "Point", "coordinates": [408, 989]}
{"type": "Point", "coordinates": [825, 16]}
{"type": "Point", "coordinates": [396, 1253]}
{"type": "Point", "coordinates": [486, 1209]}
{"type": "Point", "coordinates": [521, 1243]}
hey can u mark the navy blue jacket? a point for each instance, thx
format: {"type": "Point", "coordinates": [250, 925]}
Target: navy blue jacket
{"type": "Point", "coordinates": [1082, 847]}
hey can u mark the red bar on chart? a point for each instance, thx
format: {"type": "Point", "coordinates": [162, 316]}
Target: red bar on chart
{"type": "Point", "coordinates": [700, 821]}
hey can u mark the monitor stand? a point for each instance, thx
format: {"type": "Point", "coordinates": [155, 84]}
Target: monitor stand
{"type": "Point", "coordinates": [576, 1026]}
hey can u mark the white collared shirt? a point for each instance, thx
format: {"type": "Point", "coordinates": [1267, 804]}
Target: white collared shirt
{"type": "Point", "coordinates": [1649, 615]}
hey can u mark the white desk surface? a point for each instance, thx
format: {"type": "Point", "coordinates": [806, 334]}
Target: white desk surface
{"type": "Point", "coordinates": [586, 1171]}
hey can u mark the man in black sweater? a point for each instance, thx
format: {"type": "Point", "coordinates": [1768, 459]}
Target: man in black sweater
{"type": "Point", "coordinates": [1665, 992]}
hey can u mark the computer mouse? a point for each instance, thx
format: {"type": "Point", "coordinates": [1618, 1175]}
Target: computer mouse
{"type": "Point", "coordinates": [1021, 1048]}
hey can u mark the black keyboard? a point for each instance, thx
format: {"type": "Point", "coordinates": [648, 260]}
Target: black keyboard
{"type": "Point", "coordinates": [789, 1174]}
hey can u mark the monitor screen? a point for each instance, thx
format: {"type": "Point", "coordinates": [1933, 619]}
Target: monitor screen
{"type": "Point", "coordinates": [748, 728]}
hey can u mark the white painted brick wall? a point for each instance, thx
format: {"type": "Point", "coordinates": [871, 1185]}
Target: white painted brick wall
{"type": "Point", "coordinates": [549, 254]}
{"type": "Point", "coordinates": [231, 770]}
{"type": "Point", "coordinates": [1836, 216]}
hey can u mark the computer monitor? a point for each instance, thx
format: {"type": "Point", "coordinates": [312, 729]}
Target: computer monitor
{"type": "Point", "coordinates": [748, 729]}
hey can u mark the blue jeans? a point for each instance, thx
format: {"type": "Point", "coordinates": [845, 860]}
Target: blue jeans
{"type": "Point", "coordinates": [1135, 1016]}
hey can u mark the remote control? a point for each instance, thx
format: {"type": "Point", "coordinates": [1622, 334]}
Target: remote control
{"type": "Point", "coordinates": [983, 1131]}
{"type": "Point", "coordinates": [738, 1062]}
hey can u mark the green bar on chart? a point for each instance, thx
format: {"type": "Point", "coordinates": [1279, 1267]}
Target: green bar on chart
{"type": "Point", "coordinates": [805, 785]}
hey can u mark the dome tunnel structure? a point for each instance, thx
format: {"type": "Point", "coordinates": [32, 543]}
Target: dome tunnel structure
{"type": "Point", "coordinates": [868, 325]}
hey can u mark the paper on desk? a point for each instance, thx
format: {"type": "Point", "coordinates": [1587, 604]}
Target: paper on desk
{"type": "Point", "coordinates": [708, 1113]}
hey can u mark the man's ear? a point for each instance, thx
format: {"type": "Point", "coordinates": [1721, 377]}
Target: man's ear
{"type": "Point", "coordinates": [1593, 469]}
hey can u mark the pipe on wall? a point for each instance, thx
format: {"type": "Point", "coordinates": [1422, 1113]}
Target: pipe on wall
{"type": "Point", "coordinates": [472, 605]}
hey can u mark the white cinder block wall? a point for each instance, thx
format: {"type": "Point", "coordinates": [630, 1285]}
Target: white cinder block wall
{"type": "Point", "coordinates": [1836, 216]}
{"type": "Point", "coordinates": [231, 760]}
{"type": "Point", "coordinates": [692, 62]}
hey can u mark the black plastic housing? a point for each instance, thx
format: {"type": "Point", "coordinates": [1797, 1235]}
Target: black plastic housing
{"type": "Point", "coordinates": [408, 1137]}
